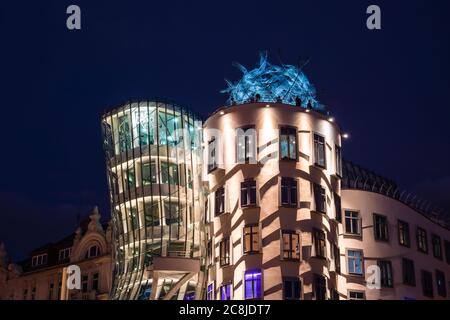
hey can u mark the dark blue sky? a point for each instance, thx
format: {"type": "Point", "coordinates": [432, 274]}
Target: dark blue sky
{"type": "Point", "coordinates": [390, 89]}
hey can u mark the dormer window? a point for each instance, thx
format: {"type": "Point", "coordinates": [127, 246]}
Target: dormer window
{"type": "Point", "coordinates": [64, 254]}
{"type": "Point", "coordinates": [39, 260]}
{"type": "Point", "coordinates": [94, 251]}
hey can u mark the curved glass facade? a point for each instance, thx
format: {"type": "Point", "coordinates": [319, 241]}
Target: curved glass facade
{"type": "Point", "coordinates": [153, 154]}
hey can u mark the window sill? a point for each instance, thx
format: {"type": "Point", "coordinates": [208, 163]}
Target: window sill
{"type": "Point", "coordinates": [320, 166]}
{"type": "Point", "coordinates": [250, 206]}
{"type": "Point", "coordinates": [353, 235]}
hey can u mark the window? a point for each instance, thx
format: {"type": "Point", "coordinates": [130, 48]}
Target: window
{"type": "Point", "coordinates": [169, 173]}
{"type": "Point", "coordinates": [210, 292]}
{"type": "Point", "coordinates": [151, 212]}
{"type": "Point", "coordinates": [64, 254]}
{"type": "Point", "coordinates": [93, 251]}
{"type": "Point", "coordinates": [212, 157]}
{"type": "Point", "coordinates": [288, 192]}
{"type": "Point", "coordinates": [319, 287]}
{"type": "Point", "coordinates": [149, 173]}
{"type": "Point", "coordinates": [387, 280]}
{"type": "Point", "coordinates": [134, 218]}
{"type": "Point", "coordinates": [209, 251]}
{"type": "Point", "coordinates": [291, 288]}
{"type": "Point", "coordinates": [356, 295]}
{"type": "Point", "coordinates": [409, 274]}
{"type": "Point", "coordinates": [338, 154]}
{"type": "Point", "coordinates": [288, 143]}
{"type": "Point", "coordinates": [320, 198]}
{"type": "Point", "coordinates": [381, 227]}
{"type": "Point", "coordinates": [403, 234]}
{"type": "Point", "coordinates": [337, 208]}
{"type": "Point", "coordinates": [352, 222]}
{"type": "Point", "coordinates": [253, 284]}
{"type": "Point", "coordinates": [95, 281]}
{"type": "Point", "coordinates": [422, 245]}
{"type": "Point", "coordinates": [124, 134]}
{"type": "Point", "coordinates": [219, 203]}
{"type": "Point", "coordinates": [51, 287]}
{"type": "Point", "coordinates": [39, 260]}
{"type": "Point", "coordinates": [319, 243]}
{"type": "Point", "coordinates": [337, 258]}
{"type": "Point", "coordinates": [171, 212]}
{"type": "Point", "coordinates": [246, 145]}
{"type": "Point", "coordinates": [447, 251]}
{"type": "Point", "coordinates": [248, 193]}
{"type": "Point", "coordinates": [84, 283]}
{"type": "Point", "coordinates": [225, 291]}
{"type": "Point", "coordinates": [441, 284]}
{"type": "Point", "coordinates": [319, 151]}
{"type": "Point", "coordinates": [427, 284]}
{"type": "Point", "coordinates": [130, 179]}
{"type": "Point", "coordinates": [355, 262]}
{"type": "Point", "coordinates": [290, 245]}
{"type": "Point", "coordinates": [251, 239]}
{"type": "Point", "coordinates": [224, 252]}
{"type": "Point", "coordinates": [437, 247]}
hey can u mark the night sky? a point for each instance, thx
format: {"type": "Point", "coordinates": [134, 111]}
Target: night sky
{"type": "Point", "coordinates": [389, 88]}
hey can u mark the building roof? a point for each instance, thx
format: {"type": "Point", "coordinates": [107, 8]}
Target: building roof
{"type": "Point", "coordinates": [359, 178]}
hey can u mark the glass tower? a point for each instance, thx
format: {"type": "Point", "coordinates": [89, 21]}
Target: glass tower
{"type": "Point", "coordinates": [154, 158]}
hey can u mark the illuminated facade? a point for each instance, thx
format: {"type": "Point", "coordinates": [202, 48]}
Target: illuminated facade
{"type": "Point", "coordinates": [153, 154]}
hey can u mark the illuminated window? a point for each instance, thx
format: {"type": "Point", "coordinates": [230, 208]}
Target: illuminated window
{"type": "Point", "coordinates": [253, 284]}
{"type": "Point", "coordinates": [422, 244]}
{"type": "Point", "coordinates": [355, 262]}
{"type": "Point", "coordinates": [248, 193]}
{"type": "Point", "coordinates": [352, 222]}
{"type": "Point", "coordinates": [427, 284]}
{"type": "Point", "coordinates": [319, 243]}
{"type": "Point", "coordinates": [246, 145]}
{"type": "Point", "coordinates": [225, 291]}
{"type": "Point", "coordinates": [320, 198]}
{"type": "Point", "coordinates": [251, 239]}
{"type": "Point", "coordinates": [212, 155]}
{"type": "Point", "coordinates": [403, 234]}
{"type": "Point", "coordinates": [171, 212]}
{"type": "Point", "coordinates": [356, 295]}
{"type": "Point", "coordinates": [124, 134]}
{"type": "Point", "coordinates": [409, 274]}
{"type": "Point", "coordinates": [169, 173]}
{"type": "Point", "coordinates": [291, 288]}
{"type": "Point", "coordinates": [288, 144]}
{"type": "Point", "coordinates": [381, 227]}
{"type": "Point", "coordinates": [134, 218]}
{"type": "Point", "coordinates": [290, 245]}
{"type": "Point", "coordinates": [319, 151]}
{"type": "Point", "coordinates": [288, 192]}
{"type": "Point", "coordinates": [387, 280]}
{"type": "Point", "coordinates": [337, 207]}
{"type": "Point", "coordinates": [149, 174]}
{"type": "Point", "coordinates": [224, 247]}
{"type": "Point", "coordinates": [151, 212]}
{"type": "Point", "coordinates": [219, 203]}
{"type": "Point", "coordinates": [338, 155]}
{"type": "Point", "coordinates": [210, 292]}
{"type": "Point", "coordinates": [437, 246]}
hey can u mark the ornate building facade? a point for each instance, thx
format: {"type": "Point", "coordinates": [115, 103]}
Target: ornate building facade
{"type": "Point", "coordinates": [40, 276]}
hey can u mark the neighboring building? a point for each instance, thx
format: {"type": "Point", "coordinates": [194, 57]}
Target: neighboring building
{"type": "Point", "coordinates": [154, 160]}
{"type": "Point", "coordinates": [39, 277]}
{"type": "Point", "coordinates": [268, 211]}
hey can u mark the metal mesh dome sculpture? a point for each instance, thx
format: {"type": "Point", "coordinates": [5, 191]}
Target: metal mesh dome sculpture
{"type": "Point", "coordinates": [272, 83]}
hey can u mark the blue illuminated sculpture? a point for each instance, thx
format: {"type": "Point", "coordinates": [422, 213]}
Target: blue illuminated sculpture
{"type": "Point", "coordinates": [272, 83]}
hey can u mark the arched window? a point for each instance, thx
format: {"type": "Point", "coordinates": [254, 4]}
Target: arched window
{"type": "Point", "coordinates": [93, 251]}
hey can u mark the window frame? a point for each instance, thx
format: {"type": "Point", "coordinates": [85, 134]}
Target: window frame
{"type": "Point", "coordinates": [377, 234]}
{"type": "Point", "coordinates": [437, 255]}
{"type": "Point", "coordinates": [294, 132]}
{"type": "Point", "coordinates": [349, 292]}
{"type": "Point", "coordinates": [219, 201]}
{"type": "Point", "coordinates": [338, 160]}
{"type": "Point", "coordinates": [292, 280]}
{"type": "Point", "coordinates": [212, 159]}
{"type": "Point", "coordinates": [224, 252]}
{"type": "Point", "coordinates": [289, 183]}
{"type": "Point", "coordinates": [247, 184]}
{"type": "Point", "coordinates": [425, 276]}
{"type": "Point", "coordinates": [291, 250]}
{"type": "Point", "coordinates": [252, 235]}
{"type": "Point", "coordinates": [386, 274]}
{"type": "Point", "coordinates": [405, 231]}
{"type": "Point", "coordinates": [318, 187]}
{"type": "Point", "coordinates": [358, 223]}
{"type": "Point", "coordinates": [254, 272]}
{"type": "Point", "coordinates": [348, 262]}
{"type": "Point", "coordinates": [408, 272]}
{"type": "Point", "coordinates": [315, 144]}
{"type": "Point", "coordinates": [319, 250]}
{"type": "Point", "coordinates": [419, 231]}
{"type": "Point", "coordinates": [441, 289]}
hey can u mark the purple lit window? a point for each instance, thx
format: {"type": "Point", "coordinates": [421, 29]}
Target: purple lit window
{"type": "Point", "coordinates": [210, 292]}
{"type": "Point", "coordinates": [225, 292]}
{"type": "Point", "coordinates": [189, 296]}
{"type": "Point", "coordinates": [253, 284]}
